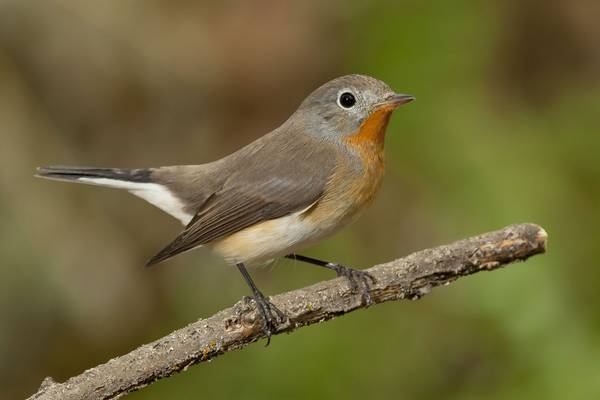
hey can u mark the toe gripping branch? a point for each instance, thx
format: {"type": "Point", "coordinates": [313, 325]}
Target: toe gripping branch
{"type": "Point", "coordinates": [355, 276]}
{"type": "Point", "coordinates": [270, 315]}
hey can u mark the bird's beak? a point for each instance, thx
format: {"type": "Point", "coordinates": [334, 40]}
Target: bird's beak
{"type": "Point", "coordinates": [394, 101]}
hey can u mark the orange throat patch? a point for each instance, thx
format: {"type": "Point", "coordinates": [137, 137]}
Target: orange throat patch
{"type": "Point", "coordinates": [369, 141]}
{"type": "Point", "coordinates": [372, 131]}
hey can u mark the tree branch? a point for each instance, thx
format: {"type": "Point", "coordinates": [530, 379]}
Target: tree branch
{"type": "Point", "coordinates": [410, 277]}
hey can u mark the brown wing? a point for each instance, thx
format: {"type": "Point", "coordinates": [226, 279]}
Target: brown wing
{"type": "Point", "coordinates": [256, 192]}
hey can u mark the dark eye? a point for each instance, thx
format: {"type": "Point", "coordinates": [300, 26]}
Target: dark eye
{"type": "Point", "coordinates": [347, 100]}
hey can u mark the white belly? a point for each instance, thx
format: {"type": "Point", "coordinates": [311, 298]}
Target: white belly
{"type": "Point", "coordinates": [271, 239]}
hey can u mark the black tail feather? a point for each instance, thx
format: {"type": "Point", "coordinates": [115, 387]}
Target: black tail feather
{"type": "Point", "coordinates": [74, 173]}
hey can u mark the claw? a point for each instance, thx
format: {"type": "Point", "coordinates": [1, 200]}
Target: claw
{"type": "Point", "coordinates": [355, 275]}
{"type": "Point", "coordinates": [271, 316]}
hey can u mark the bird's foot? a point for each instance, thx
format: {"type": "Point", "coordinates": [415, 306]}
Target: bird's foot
{"type": "Point", "coordinates": [270, 315]}
{"type": "Point", "coordinates": [356, 276]}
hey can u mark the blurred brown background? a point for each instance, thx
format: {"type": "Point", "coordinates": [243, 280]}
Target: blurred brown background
{"type": "Point", "coordinates": [505, 129]}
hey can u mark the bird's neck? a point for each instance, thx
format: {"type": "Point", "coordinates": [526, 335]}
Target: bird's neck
{"type": "Point", "coordinates": [370, 136]}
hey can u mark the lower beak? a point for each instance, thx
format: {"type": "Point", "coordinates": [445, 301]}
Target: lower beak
{"type": "Point", "coordinates": [395, 101]}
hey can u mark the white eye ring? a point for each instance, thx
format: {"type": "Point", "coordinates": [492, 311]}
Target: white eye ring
{"type": "Point", "coordinates": [346, 99]}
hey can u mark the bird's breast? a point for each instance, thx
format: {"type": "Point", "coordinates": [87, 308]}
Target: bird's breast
{"type": "Point", "coordinates": [358, 174]}
{"type": "Point", "coordinates": [351, 189]}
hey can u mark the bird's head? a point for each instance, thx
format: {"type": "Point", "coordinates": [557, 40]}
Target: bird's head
{"type": "Point", "coordinates": [351, 105]}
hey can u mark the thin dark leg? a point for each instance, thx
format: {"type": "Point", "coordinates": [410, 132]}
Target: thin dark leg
{"type": "Point", "coordinates": [353, 275]}
{"type": "Point", "coordinates": [270, 314]}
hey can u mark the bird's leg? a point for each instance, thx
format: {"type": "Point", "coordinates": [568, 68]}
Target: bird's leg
{"type": "Point", "coordinates": [270, 315]}
{"type": "Point", "coordinates": [353, 275]}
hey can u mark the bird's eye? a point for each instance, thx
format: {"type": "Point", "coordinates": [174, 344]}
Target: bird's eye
{"type": "Point", "coordinates": [347, 100]}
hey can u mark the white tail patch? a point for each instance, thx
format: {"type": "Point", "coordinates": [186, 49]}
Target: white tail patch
{"type": "Point", "coordinates": [154, 193]}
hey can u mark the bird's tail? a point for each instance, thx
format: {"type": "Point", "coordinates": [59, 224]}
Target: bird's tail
{"type": "Point", "coordinates": [139, 182]}
{"type": "Point", "coordinates": [111, 177]}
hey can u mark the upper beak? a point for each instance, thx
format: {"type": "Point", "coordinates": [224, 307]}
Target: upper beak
{"type": "Point", "coordinates": [396, 100]}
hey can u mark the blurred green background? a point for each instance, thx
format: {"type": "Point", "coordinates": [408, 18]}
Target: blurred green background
{"type": "Point", "coordinates": [505, 129]}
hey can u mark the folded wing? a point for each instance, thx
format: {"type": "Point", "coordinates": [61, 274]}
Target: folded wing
{"type": "Point", "coordinates": [262, 185]}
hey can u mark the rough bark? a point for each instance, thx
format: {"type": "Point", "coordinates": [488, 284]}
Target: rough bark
{"type": "Point", "coordinates": [410, 278]}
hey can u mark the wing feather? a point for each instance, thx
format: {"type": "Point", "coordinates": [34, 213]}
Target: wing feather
{"type": "Point", "coordinates": [255, 193]}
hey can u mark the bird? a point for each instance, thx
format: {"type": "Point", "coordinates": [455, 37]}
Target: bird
{"type": "Point", "coordinates": [287, 190]}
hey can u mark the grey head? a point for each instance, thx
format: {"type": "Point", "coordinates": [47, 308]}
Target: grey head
{"type": "Point", "coordinates": [340, 106]}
